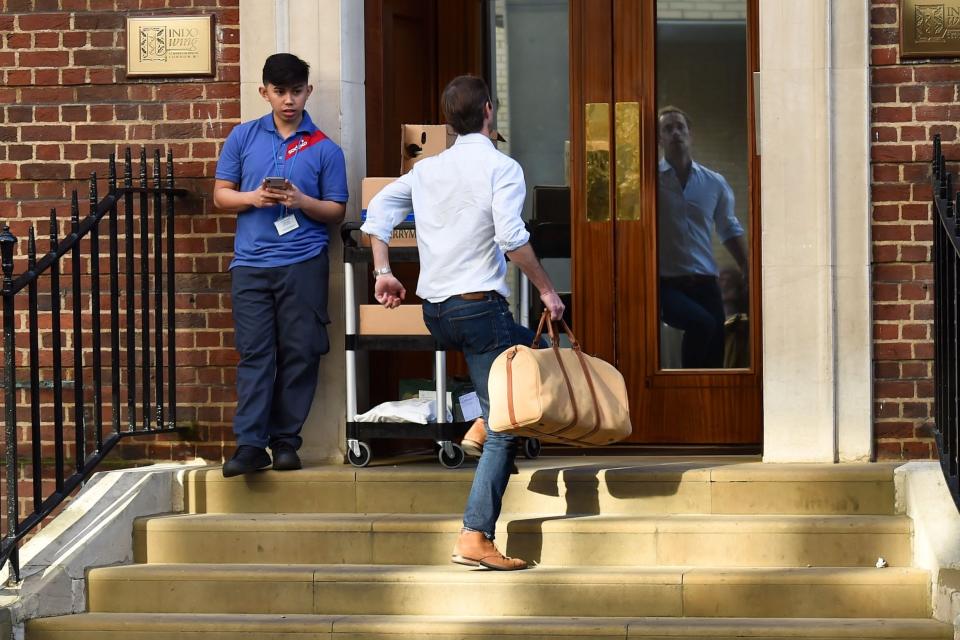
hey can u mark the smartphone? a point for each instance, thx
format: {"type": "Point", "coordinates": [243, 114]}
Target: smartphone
{"type": "Point", "coordinates": [274, 182]}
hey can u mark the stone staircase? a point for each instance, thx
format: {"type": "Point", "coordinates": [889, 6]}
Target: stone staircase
{"type": "Point", "coordinates": [655, 548]}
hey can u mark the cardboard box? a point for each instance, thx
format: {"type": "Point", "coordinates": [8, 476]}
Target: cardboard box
{"type": "Point", "coordinates": [419, 141]}
{"type": "Point", "coordinates": [369, 187]}
{"type": "Point", "coordinates": [405, 320]}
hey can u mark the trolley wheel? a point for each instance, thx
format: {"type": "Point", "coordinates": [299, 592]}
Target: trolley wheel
{"type": "Point", "coordinates": [455, 459]}
{"type": "Point", "coordinates": [531, 448]}
{"type": "Point", "coordinates": [361, 460]}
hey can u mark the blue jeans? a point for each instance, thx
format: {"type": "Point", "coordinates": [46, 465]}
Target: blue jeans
{"type": "Point", "coordinates": [482, 330]}
{"type": "Point", "coordinates": [695, 306]}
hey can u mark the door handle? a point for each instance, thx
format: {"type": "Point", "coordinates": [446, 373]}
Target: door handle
{"type": "Point", "coordinates": [596, 118]}
{"type": "Point", "coordinates": [627, 136]}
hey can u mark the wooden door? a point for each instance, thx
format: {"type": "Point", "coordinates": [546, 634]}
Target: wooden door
{"type": "Point", "coordinates": [615, 264]}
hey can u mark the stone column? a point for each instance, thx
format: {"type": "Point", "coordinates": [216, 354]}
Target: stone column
{"type": "Point", "coordinates": [815, 211]}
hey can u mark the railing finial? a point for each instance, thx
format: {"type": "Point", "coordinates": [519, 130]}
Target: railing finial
{"type": "Point", "coordinates": [74, 212]}
{"type": "Point", "coordinates": [112, 172]}
{"type": "Point", "coordinates": [54, 231]}
{"type": "Point", "coordinates": [31, 248]}
{"type": "Point", "coordinates": [92, 198]}
{"type": "Point", "coordinates": [937, 152]}
{"type": "Point", "coordinates": [7, 242]}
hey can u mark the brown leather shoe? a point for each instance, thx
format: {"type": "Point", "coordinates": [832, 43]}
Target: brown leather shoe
{"type": "Point", "coordinates": [473, 439]}
{"type": "Point", "coordinates": [473, 549]}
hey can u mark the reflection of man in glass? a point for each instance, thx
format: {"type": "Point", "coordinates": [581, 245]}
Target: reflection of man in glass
{"type": "Point", "coordinates": [692, 202]}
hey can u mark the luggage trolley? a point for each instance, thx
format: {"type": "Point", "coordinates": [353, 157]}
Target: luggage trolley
{"type": "Point", "coordinates": [359, 434]}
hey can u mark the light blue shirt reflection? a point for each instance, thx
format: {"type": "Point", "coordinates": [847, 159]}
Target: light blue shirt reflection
{"type": "Point", "coordinates": [687, 216]}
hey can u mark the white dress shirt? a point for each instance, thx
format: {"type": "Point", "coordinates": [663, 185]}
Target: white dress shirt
{"type": "Point", "coordinates": [688, 215]}
{"type": "Point", "coordinates": [467, 203]}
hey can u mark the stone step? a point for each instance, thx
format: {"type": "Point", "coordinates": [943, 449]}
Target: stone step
{"type": "Point", "coordinates": [679, 540]}
{"type": "Point", "coordinates": [544, 591]}
{"type": "Point", "coordinates": [562, 484]}
{"type": "Point", "coordinates": [119, 626]}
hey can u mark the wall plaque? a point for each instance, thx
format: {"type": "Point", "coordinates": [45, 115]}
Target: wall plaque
{"type": "Point", "coordinates": [170, 46]}
{"type": "Point", "coordinates": [929, 28]}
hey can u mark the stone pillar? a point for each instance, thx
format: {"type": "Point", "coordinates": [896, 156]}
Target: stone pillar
{"type": "Point", "coordinates": [815, 204]}
{"type": "Point", "coordinates": [328, 34]}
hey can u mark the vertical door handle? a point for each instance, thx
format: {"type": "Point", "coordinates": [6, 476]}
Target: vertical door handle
{"type": "Point", "coordinates": [597, 161]}
{"type": "Point", "coordinates": [627, 136]}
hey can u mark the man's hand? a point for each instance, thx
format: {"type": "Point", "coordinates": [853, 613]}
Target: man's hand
{"type": "Point", "coordinates": [293, 198]}
{"type": "Point", "coordinates": [388, 291]}
{"type": "Point", "coordinates": [263, 197]}
{"type": "Point", "coordinates": [553, 303]}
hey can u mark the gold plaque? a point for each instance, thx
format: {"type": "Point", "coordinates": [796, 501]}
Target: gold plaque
{"type": "Point", "coordinates": [597, 130]}
{"type": "Point", "coordinates": [929, 28]}
{"type": "Point", "coordinates": [170, 46]}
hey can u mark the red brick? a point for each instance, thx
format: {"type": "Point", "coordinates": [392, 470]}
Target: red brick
{"type": "Point", "coordinates": [98, 57]}
{"type": "Point", "coordinates": [898, 429]}
{"type": "Point", "coordinates": [937, 73]}
{"type": "Point", "coordinates": [911, 93]}
{"type": "Point", "coordinates": [892, 75]}
{"type": "Point", "coordinates": [915, 332]}
{"type": "Point", "coordinates": [886, 173]}
{"type": "Point", "coordinates": [19, 77]}
{"type": "Point", "coordinates": [913, 134]}
{"type": "Point", "coordinates": [44, 22]}
{"type": "Point", "coordinates": [917, 450]}
{"type": "Point", "coordinates": [74, 39]}
{"type": "Point", "coordinates": [890, 192]}
{"type": "Point", "coordinates": [944, 93]}
{"type": "Point", "coordinates": [44, 171]}
{"type": "Point", "coordinates": [883, 56]}
{"type": "Point", "coordinates": [915, 370]}
{"type": "Point", "coordinates": [100, 132]}
{"type": "Point", "coordinates": [884, 134]}
{"type": "Point", "coordinates": [48, 152]}
{"type": "Point", "coordinates": [886, 213]}
{"type": "Point", "coordinates": [883, 15]}
{"type": "Point", "coordinates": [46, 132]}
{"type": "Point", "coordinates": [46, 77]}
{"type": "Point", "coordinates": [47, 114]}
{"type": "Point", "coordinates": [891, 153]}
{"type": "Point", "coordinates": [914, 253]}
{"type": "Point", "coordinates": [73, 76]}
{"type": "Point", "coordinates": [894, 389]}
{"type": "Point", "coordinates": [46, 40]}
{"type": "Point", "coordinates": [891, 312]}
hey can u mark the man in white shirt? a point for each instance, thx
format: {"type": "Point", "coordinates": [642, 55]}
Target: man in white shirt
{"type": "Point", "coordinates": [692, 203]}
{"type": "Point", "coordinates": [467, 203]}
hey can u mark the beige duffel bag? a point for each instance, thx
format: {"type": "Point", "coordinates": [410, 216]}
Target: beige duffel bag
{"type": "Point", "coordinates": [558, 394]}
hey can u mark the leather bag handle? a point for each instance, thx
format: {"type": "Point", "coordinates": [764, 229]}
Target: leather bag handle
{"type": "Point", "coordinates": [553, 332]}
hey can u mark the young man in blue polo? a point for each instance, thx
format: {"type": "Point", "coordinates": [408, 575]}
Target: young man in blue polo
{"type": "Point", "coordinates": [286, 180]}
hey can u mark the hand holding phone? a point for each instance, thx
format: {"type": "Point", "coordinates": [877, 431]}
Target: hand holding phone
{"type": "Point", "coordinates": [275, 182]}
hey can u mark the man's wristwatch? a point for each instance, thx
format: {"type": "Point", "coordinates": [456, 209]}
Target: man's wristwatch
{"type": "Point", "coordinates": [382, 271]}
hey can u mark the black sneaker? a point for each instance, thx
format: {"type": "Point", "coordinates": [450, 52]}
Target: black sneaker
{"type": "Point", "coordinates": [246, 459]}
{"type": "Point", "coordinates": [285, 457]}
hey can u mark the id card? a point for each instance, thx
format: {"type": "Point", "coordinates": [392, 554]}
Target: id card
{"type": "Point", "coordinates": [286, 224]}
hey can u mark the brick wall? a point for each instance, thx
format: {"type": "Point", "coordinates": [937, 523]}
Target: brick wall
{"type": "Point", "coordinates": [65, 104]}
{"type": "Point", "coordinates": [911, 101]}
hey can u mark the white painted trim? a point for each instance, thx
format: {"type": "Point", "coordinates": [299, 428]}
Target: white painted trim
{"type": "Point", "coordinates": [282, 26]}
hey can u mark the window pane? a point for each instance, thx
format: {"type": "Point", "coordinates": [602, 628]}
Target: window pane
{"type": "Point", "coordinates": [703, 184]}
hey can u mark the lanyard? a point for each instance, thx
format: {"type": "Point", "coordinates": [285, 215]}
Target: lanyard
{"type": "Point", "coordinates": [280, 168]}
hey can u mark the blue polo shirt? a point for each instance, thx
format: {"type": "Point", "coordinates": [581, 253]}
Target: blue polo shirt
{"type": "Point", "coordinates": [308, 159]}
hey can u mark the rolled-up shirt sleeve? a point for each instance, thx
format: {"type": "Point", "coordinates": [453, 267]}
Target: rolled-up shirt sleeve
{"type": "Point", "coordinates": [725, 218]}
{"type": "Point", "coordinates": [509, 192]}
{"type": "Point", "coordinates": [388, 208]}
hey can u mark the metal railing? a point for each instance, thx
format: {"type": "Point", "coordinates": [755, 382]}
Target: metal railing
{"type": "Point", "coordinates": [157, 398]}
{"type": "Point", "coordinates": [946, 323]}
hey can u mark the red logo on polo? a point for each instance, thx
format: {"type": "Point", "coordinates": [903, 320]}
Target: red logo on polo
{"type": "Point", "coordinates": [304, 142]}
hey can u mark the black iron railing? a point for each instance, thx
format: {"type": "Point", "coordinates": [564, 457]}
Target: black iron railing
{"type": "Point", "coordinates": [946, 323]}
{"type": "Point", "coordinates": [88, 339]}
